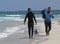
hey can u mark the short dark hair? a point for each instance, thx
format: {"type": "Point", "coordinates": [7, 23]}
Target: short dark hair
{"type": "Point", "coordinates": [49, 7]}
{"type": "Point", "coordinates": [29, 9]}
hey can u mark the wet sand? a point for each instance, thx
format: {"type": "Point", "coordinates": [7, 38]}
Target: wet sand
{"type": "Point", "coordinates": [21, 35]}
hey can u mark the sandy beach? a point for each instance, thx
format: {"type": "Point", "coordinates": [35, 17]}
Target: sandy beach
{"type": "Point", "coordinates": [18, 33]}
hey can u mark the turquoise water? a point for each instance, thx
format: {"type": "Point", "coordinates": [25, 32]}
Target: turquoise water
{"type": "Point", "coordinates": [19, 16]}
{"type": "Point", "coordinates": [7, 17]}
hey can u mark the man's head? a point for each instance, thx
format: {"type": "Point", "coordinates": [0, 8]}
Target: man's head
{"type": "Point", "coordinates": [49, 8]}
{"type": "Point", "coordinates": [29, 10]}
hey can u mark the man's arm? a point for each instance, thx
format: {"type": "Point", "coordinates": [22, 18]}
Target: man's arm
{"type": "Point", "coordinates": [25, 18]}
{"type": "Point", "coordinates": [35, 19]}
{"type": "Point", "coordinates": [52, 15]}
{"type": "Point", "coordinates": [42, 12]}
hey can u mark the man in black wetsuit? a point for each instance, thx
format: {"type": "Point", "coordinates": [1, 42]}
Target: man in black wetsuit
{"type": "Point", "coordinates": [31, 18]}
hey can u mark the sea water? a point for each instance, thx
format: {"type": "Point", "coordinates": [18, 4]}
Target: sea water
{"type": "Point", "coordinates": [17, 16]}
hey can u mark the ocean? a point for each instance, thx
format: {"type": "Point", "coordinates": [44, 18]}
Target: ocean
{"type": "Point", "coordinates": [19, 16]}
{"type": "Point", "coordinates": [8, 18]}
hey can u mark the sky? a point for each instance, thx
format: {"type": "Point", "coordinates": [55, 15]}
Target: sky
{"type": "Point", "coordinates": [16, 5]}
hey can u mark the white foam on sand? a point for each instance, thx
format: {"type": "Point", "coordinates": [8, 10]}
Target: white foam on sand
{"type": "Point", "coordinates": [3, 35]}
{"type": "Point", "coordinates": [13, 15]}
{"type": "Point", "coordinates": [11, 19]}
{"type": "Point", "coordinates": [8, 31]}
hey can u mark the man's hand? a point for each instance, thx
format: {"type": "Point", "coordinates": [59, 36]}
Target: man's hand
{"type": "Point", "coordinates": [52, 16]}
{"type": "Point", "coordinates": [35, 23]}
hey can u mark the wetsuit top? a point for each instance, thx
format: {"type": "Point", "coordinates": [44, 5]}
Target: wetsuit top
{"type": "Point", "coordinates": [31, 18]}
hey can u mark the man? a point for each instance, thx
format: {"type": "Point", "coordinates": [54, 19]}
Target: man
{"type": "Point", "coordinates": [47, 15]}
{"type": "Point", "coordinates": [31, 18]}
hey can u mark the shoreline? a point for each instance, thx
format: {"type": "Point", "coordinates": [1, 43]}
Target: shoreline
{"type": "Point", "coordinates": [11, 25]}
{"type": "Point", "coordinates": [17, 32]}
